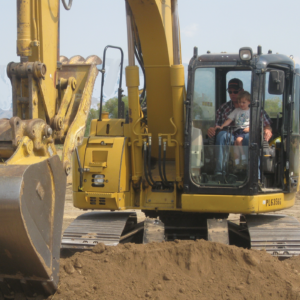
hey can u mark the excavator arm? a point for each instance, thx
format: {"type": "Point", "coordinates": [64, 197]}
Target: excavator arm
{"type": "Point", "coordinates": [51, 101]}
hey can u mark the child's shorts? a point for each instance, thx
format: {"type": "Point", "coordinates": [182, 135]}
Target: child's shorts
{"type": "Point", "coordinates": [239, 133]}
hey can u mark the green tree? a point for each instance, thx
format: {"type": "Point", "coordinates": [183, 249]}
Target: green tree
{"type": "Point", "coordinates": [110, 106]}
{"type": "Point", "coordinates": [273, 106]}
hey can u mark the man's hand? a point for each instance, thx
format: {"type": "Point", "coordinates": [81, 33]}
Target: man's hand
{"type": "Point", "coordinates": [211, 132]}
{"type": "Point", "coordinates": [267, 134]}
{"type": "Point", "coordinates": [246, 130]}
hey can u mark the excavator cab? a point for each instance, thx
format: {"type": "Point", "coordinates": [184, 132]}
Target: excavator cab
{"type": "Point", "coordinates": [271, 166]}
{"type": "Point", "coordinates": [268, 181]}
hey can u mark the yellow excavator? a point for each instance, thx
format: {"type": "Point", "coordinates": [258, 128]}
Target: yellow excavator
{"type": "Point", "coordinates": [159, 158]}
{"type": "Point", "coordinates": [51, 101]}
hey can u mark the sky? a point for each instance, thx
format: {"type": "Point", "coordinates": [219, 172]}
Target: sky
{"type": "Point", "coordinates": [214, 25]}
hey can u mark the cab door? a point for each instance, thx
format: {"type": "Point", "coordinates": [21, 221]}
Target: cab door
{"type": "Point", "coordinates": [275, 156]}
{"type": "Point", "coordinates": [295, 135]}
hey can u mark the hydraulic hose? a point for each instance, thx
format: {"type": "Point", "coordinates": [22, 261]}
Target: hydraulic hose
{"type": "Point", "coordinates": [80, 170]}
{"type": "Point", "coordinates": [67, 7]}
{"type": "Point", "coordinates": [159, 164]}
{"type": "Point", "coordinates": [149, 162]}
{"type": "Point", "coordinates": [141, 63]}
{"type": "Point", "coordinates": [164, 163]}
{"type": "Point", "coordinates": [145, 164]}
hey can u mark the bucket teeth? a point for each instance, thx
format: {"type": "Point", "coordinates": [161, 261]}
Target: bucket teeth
{"type": "Point", "coordinates": [77, 59]}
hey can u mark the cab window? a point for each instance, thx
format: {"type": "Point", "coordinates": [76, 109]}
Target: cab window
{"type": "Point", "coordinates": [244, 76]}
{"type": "Point", "coordinates": [204, 99]}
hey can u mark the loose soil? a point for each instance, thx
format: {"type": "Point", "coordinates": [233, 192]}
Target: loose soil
{"type": "Point", "coordinates": [175, 270]}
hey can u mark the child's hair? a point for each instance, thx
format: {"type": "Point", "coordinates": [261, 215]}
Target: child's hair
{"type": "Point", "coordinates": [245, 95]}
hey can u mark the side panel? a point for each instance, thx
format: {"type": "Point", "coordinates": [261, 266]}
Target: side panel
{"type": "Point", "coordinates": [237, 204]}
{"type": "Point", "coordinates": [109, 157]}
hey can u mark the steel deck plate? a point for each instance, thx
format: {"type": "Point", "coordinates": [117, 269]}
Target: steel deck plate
{"type": "Point", "coordinates": [92, 228]}
{"type": "Point", "coordinates": [279, 235]}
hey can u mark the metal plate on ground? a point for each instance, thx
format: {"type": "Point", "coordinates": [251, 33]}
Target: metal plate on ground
{"type": "Point", "coordinates": [154, 231]}
{"type": "Point", "coordinates": [92, 228]}
{"type": "Point", "coordinates": [279, 235]}
{"type": "Point", "coordinates": [218, 231]}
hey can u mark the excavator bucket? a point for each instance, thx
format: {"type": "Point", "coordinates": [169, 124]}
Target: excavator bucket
{"type": "Point", "coordinates": [31, 214]}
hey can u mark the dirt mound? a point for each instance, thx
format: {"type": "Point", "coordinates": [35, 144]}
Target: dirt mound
{"type": "Point", "coordinates": [177, 270]}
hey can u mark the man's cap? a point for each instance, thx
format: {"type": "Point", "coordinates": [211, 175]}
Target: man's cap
{"type": "Point", "coordinates": [235, 84]}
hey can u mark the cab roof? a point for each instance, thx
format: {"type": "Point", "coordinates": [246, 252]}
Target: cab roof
{"type": "Point", "coordinates": [264, 59]}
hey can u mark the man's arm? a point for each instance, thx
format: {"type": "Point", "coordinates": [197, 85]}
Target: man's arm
{"type": "Point", "coordinates": [212, 130]}
{"type": "Point", "coordinates": [267, 133]}
{"type": "Point", "coordinates": [219, 119]}
{"type": "Point", "coordinates": [267, 126]}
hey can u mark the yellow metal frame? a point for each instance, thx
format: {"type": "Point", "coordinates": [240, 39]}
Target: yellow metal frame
{"type": "Point", "coordinates": [105, 201]}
